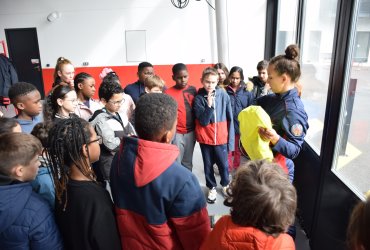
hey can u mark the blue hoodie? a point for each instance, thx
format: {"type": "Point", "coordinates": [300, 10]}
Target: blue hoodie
{"type": "Point", "coordinates": [44, 184]}
{"type": "Point", "coordinates": [26, 220]}
{"type": "Point", "coordinates": [27, 125]}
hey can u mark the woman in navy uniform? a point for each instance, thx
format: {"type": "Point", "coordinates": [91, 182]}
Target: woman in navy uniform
{"type": "Point", "coordinates": [285, 109]}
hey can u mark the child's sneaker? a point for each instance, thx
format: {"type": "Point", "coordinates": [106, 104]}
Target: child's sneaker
{"type": "Point", "coordinates": [224, 191]}
{"type": "Point", "coordinates": [212, 195]}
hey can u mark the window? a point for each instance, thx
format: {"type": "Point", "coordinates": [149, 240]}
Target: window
{"type": "Point", "coordinates": [287, 25]}
{"type": "Point", "coordinates": [353, 141]}
{"type": "Point", "coordinates": [362, 44]}
{"type": "Point", "coordinates": [316, 58]}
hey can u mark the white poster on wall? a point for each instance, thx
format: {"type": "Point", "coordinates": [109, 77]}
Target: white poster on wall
{"type": "Point", "coordinates": [135, 45]}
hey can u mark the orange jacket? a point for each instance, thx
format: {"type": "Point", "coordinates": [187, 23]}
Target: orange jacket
{"type": "Point", "coordinates": [227, 235]}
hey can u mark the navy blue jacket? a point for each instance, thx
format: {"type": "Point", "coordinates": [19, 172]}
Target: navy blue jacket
{"type": "Point", "coordinates": [240, 100]}
{"type": "Point", "coordinates": [259, 87]}
{"type": "Point", "coordinates": [289, 119]}
{"type": "Point", "coordinates": [135, 90]}
{"type": "Point", "coordinates": [26, 220]}
{"type": "Point", "coordinates": [8, 75]}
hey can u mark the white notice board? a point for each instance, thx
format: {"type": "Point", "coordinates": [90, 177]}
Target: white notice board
{"type": "Point", "coordinates": [135, 45]}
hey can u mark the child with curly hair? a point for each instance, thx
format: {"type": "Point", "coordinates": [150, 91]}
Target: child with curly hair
{"type": "Point", "coordinates": [263, 204]}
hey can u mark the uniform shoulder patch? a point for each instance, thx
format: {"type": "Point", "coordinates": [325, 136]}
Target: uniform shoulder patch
{"type": "Point", "coordinates": [296, 129]}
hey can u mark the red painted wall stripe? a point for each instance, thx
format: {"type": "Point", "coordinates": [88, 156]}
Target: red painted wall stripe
{"type": "Point", "coordinates": [128, 74]}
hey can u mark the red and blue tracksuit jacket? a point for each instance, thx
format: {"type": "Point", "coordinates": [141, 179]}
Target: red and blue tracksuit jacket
{"type": "Point", "coordinates": [214, 125]}
{"type": "Point", "coordinates": [159, 203]}
{"type": "Point", "coordinates": [289, 119]}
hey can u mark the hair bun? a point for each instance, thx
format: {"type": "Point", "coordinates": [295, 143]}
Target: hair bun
{"type": "Point", "coordinates": [292, 52]}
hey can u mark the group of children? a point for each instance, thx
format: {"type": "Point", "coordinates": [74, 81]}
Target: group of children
{"type": "Point", "coordinates": [141, 143]}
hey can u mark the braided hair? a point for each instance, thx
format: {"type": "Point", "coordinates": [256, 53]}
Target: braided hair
{"type": "Point", "coordinates": [80, 78]}
{"type": "Point", "coordinates": [66, 141]}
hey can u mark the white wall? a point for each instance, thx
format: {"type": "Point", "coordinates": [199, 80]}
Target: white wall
{"type": "Point", "coordinates": [247, 24]}
{"type": "Point", "coordinates": [94, 31]}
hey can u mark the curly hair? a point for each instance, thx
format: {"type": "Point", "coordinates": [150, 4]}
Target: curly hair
{"type": "Point", "coordinates": [108, 89]}
{"type": "Point", "coordinates": [358, 230]}
{"type": "Point", "coordinates": [41, 132]}
{"type": "Point", "coordinates": [261, 196]}
{"type": "Point", "coordinates": [20, 89]}
{"type": "Point", "coordinates": [155, 114]}
{"type": "Point", "coordinates": [288, 63]}
{"type": "Point", "coordinates": [111, 77]}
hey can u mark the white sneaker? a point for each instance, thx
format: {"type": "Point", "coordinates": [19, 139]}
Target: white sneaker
{"type": "Point", "coordinates": [224, 191]}
{"type": "Point", "coordinates": [212, 195]}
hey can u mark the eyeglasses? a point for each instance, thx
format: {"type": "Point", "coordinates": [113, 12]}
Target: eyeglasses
{"type": "Point", "coordinates": [117, 103]}
{"type": "Point", "coordinates": [98, 139]}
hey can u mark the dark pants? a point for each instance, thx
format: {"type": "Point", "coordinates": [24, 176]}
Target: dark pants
{"type": "Point", "coordinates": [290, 166]}
{"type": "Point", "coordinates": [215, 154]}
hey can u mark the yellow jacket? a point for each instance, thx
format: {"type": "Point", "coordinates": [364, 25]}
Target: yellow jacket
{"type": "Point", "coordinates": [250, 119]}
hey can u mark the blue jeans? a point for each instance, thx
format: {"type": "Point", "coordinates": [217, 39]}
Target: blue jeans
{"type": "Point", "coordinates": [215, 154]}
